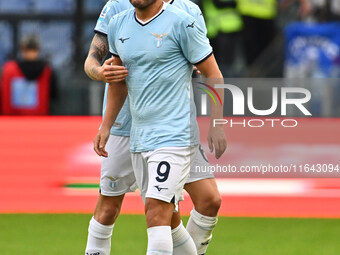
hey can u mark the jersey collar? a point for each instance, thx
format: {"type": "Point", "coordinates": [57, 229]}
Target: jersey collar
{"type": "Point", "coordinates": [153, 18]}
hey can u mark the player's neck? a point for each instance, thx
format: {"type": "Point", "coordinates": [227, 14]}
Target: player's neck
{"type": "Point", "coordinates": [150, 11]}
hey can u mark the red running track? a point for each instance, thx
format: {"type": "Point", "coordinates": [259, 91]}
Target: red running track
{"type": "Point", "coordinates": [39, 155]}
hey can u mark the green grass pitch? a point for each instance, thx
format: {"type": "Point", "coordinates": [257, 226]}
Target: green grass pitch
{"type": "Point", "coordinates": [57, 234]}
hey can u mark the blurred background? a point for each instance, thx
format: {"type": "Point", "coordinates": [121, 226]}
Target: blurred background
{"type": "Point", "coordinates": [47, 164]}
{"type": "Point", "coordinates": [286, 38]}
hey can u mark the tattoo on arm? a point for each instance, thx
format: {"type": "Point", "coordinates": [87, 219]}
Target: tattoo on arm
{"type": "Point", "coordinates": [99, 47]}
{"type": "Point", "coordinates": [98, 51]}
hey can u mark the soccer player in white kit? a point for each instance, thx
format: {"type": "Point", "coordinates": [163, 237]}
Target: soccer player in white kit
{"type": "Point", "coordinates": [117, 176]}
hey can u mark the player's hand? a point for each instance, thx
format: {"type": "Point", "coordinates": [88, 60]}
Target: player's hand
{"type": "Point", "coordinates": [100, 141]}
{"type": "Point", "coordinates": [112, 73]}
{"type": "Point", "coordinates": [217, 140]}
{"type": "Point", "coordinates": [196, 69]}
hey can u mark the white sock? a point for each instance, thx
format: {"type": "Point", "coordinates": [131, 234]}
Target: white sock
{"type": "Point", "coordinates": [159, 240]}
{"type": "Point", "coordinates": [200, 228]}
{"type": "Point", "coordinates": [182, 241]}
{"type": "Point", "coordinates": [99, 238]}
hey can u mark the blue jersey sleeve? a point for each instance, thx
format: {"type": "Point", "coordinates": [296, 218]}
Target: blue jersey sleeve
{"type": "Point", "coordinates": [197, 14]}
{"type": "Point", "coordinates": [193, 41]}
{"type": "Point", "coordinates": [111, 37]}
{"type": "Point", "coordinates": [110, 9]}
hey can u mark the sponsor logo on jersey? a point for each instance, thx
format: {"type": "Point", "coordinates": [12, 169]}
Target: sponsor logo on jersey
{"type": "Point", "coordinates": [123, 39]}
{"type": "Point", "coordinates": [191, 25]}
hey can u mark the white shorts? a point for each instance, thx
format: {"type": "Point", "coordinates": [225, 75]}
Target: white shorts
{"type": "Point", "coordinates": [117, 177]}
{"type": "Point", "coordinates": [162, 173]}
{"type": "Point", "coordinates": [198, 170]}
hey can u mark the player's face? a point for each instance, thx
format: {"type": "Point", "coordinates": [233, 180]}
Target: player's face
{"type": "Point", "coordinates": [142, 4]}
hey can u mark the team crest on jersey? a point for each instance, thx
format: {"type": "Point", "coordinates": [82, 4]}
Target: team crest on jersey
{"type": "Point", "coordinates": [159, 39]}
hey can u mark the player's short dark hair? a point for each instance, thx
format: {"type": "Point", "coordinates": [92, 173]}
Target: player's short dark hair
{"type": "Point", "coordinates": [30, 42]}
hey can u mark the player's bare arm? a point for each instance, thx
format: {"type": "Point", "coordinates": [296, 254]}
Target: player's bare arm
{"type": "Point", "coordinates": [116, 95]}
{"type": "Point", "coordinates": [216, 137]}
{"type": "Point", "coordinates": [93, 65]}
